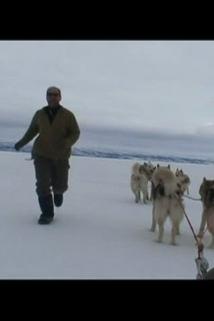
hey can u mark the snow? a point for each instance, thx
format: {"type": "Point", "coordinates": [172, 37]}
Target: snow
{"type": "Point", "coordinates": [99, 232]}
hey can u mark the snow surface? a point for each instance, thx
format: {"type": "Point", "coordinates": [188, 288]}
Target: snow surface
{"type": "Point", "coordinates": [99, 232]}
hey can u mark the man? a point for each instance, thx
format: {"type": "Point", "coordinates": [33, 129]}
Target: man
{"type": "Point", "coordinates": [57, 131]}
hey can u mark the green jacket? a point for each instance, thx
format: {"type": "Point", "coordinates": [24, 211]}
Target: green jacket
{"type": "Point", "coordinates": [54, 140]}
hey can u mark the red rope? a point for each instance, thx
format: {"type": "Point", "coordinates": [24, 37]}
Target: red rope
{"type": "Point", "coordinates": [199, 243]}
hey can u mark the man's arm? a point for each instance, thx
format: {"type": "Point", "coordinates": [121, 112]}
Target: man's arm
{"type": "Point", "coordinates": [73, 132]}
{"type": "Point", "coordinates": [30, 133]}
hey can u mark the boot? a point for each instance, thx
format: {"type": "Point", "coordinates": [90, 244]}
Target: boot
{"type": "Point", "coordinates": [58, 199]}
{"type": "Point", "coordinates": [47, 208]}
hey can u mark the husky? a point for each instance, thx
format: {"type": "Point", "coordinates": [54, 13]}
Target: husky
{"type": "Point", "coordinates": [206, 192]}
{"type": "Point", "coordinates": [183, 179]}
{"type": "Point", "coordinates": [141, 174]}
{"type": "Point", "coordinates": [167, 201]}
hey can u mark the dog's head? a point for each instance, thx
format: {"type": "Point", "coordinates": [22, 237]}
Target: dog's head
{"type": "Point", "coordinates": [165, 183]}
{"type": "Point", "coordinates": [206, 191]}
{"type": "Point", "coordinates": [182, 179]}
{"type": "Point", "coordinates": [180, 189]}
{"type": "Point", "coordinates": [179, 172]}
{"type": "Point", "coordinates": [151, 168]}
{"type": "Point", "coordinates": [183, 182]}
{"type": "Point", "coordinates": [147, 169]}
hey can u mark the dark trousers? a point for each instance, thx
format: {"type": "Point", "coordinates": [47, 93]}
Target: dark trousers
{"type": "Point", "coordinates": [51, 176]}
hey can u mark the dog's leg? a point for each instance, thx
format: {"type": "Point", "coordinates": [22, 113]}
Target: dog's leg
{"type": "Point", "coordinates": [175, 228]}
{"type": "Point", "coordinates": [176, 215]}
{"type": "Point", "coordinates": [161, 229]}
{"type": "Point", "coordinates": [139, 196]}
{"type": "Point", "coordinates": [151, 197]}
{"type": "Point", "coordinates": [145, 197]}
{"type": "Point", "coordinates": [153, 227]}
{"type": "Point", "coordinates": [160, 217]}
{"type": "Point", "coordinates": [136, 197]}
{"type": "Point", "coordinates": [152, 192]}
{"type": "Point", "coordinates": [144, 190]}
{"type": "Point", "coordinates": [202, 225]}
{"type": "Point", "coordinates": [187, 190]}
{"type": "Point", "coordinates": [147, 193]}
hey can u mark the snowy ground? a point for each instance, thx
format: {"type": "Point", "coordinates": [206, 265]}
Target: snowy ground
{"type": "Point", "coordinates": [99, 233]}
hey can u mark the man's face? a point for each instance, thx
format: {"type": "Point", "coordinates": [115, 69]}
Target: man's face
{"type": "Point", "coordinates": [53, 97]}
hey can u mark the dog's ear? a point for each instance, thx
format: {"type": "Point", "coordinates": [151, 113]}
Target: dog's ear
{"type": "Point", "coordinates": [168, 166]}
{"type": "Point", "coordinates": [204, 179]}
{"type": "Point", "coordinates": [158, 165]}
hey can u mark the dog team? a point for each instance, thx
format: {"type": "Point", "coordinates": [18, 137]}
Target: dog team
{"type": "Point", "coordinates": [166, 194]}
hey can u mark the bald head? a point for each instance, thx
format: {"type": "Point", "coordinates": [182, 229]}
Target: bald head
{"type": "Point", "coordinates": [53, 96]}
{"type": "Point", "coordinates": [54, 89]}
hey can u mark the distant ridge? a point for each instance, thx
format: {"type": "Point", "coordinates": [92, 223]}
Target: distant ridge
{"type": "Point", "coordinates": [89, 152]}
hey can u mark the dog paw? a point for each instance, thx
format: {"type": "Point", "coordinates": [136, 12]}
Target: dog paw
{"type": "Point", "coordinates": [173, 243]}
{"type": "Point", "coordinates": [200, 235]}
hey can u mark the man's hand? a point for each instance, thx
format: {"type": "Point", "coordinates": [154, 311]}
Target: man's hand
{"type": "Point", "coordinates": [17, 146]}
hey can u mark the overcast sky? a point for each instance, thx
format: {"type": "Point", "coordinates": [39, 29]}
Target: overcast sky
{"type": "Point", "coordinates": [165, 86]}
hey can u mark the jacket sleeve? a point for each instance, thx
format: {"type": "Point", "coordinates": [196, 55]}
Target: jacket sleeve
{"type": "Point", "coordinates": [31, 132]}
{"type": "Point", "coordinates": [73, 132]}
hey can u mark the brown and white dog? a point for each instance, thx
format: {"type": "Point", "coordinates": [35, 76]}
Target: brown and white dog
{"type": "Point", "coordinates": [183, 179]}
{"type": "Point", "coordinates": [141, 175]}
{"type": "Point", "coordinates": [206, 192]}
{"type": "Point", "coordinates": [167, 201]}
